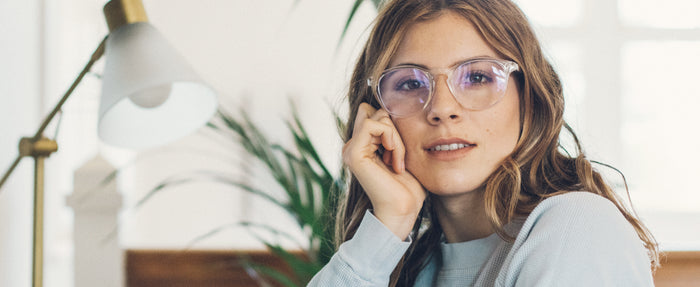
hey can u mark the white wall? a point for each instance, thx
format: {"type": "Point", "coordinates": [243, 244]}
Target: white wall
{"type": "Point", "coordinates": [255, 52]}
{"type": "Point", "coordinates": [20, 86]}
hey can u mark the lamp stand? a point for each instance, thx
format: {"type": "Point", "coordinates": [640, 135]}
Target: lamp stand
{"type": "Point", "coordinates": [40, 148]}
{"type": "Point", "coordinates": [118, 13]}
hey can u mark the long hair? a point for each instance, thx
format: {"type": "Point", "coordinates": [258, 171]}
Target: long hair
{"type": "Point", "coordinates": [538, 168]}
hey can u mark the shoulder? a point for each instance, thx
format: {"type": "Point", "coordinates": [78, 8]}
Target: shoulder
{"type": "Point", "coordinates": [574, 217]}
{"type": "Point", "coordinates": [575, 207]}
{"type": "Point", "coordinates": [578, 238]}
{"type": "Point", "coordinates": [580, 219]}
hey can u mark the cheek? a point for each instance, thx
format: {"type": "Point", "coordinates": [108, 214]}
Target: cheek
{"type": "Point", "coordinates": [505, 141]}
{"type": "Point", "coordinates": [499, 128]}
{"type": "Point", "coordinates": [407, 134]}
{"type": "Point", "coordinates": [411, 138]}
{"type": "Point", "coordinates": [506, 129]}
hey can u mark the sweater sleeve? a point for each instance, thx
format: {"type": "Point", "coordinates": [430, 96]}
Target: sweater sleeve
{"type": "Point", "coordinates": [577, 239]}
{"type": "Point", "coordinates": [365, 260]}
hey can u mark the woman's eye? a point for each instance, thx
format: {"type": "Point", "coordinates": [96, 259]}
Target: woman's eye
{"type": "Point", "coordinates": [410, 85]}
{"type": "Point", "coordinates": [476, 79]}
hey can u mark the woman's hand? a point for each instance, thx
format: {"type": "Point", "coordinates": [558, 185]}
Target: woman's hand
{"type": "Point", "coordinates": [395, 193]}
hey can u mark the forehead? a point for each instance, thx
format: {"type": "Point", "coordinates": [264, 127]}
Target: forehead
{"type": "Point", "coordinates": [441, 42]}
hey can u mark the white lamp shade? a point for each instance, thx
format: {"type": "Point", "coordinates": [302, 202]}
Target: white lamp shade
{"type": "Point", "coordinates": [150, 95]}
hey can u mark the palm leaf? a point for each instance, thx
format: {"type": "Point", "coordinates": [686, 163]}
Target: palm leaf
{"type": "Point", "coordinates": [353, 11]}
{"type": "Point", "coordinates": [310, 191]}
{"type": "Point", "coordinates": [210, 176]}
{"type": "Point", "coordinates": [272, 274]}
{"type": "Point", "coordinates": [251, 226]}
{"type": "Point", "coordinates": [303, 269]}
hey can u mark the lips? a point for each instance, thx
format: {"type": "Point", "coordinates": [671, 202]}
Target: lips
{"type": "Point", "coordinates": [448, 145]}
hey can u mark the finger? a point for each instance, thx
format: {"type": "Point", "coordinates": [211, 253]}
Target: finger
{"type": "Point", "coordinates": [375, 131]}
{"type": "Point", "coordinates": [398, 150]}
{"type": "Point", "coordinates": [372, 121]}
{"type": "Point", "coordinates": [381, 133]}
{"type": "Point", "coordinates": [399, 156]}
{"type": "Point", "coordinates": [370, 136]}
{"type": "Point", "coordinates": [386, 158]}
{"type": "Point", "coordinates": [389, 141]}
{"type": "Point", "coordinates": [382, 116]}
{"type": "Point", "coordinates": [364, 111]}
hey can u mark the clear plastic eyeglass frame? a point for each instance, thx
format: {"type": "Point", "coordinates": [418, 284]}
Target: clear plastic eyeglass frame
{"type": "Point", "coordinates": [507, 67]}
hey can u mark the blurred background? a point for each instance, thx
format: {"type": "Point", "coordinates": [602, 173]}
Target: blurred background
{"type": "Point", "coordinates": [629, 68]}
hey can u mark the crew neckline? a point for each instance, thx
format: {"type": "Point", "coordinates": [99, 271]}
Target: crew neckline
{"type": "Point", "coordinates": [473, 253]}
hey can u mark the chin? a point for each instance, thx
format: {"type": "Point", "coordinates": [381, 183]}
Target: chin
{"type": "Point", "coordinates": [453, 187]}
{"type": "Point", "coordinates": [451, 181]}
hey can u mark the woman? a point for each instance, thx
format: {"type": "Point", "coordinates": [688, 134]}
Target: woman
{"type": "Point", "coordinates": [457, 174]}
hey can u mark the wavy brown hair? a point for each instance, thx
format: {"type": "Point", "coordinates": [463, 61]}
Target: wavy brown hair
{"type": "Point", "coordinates": [538, 168]}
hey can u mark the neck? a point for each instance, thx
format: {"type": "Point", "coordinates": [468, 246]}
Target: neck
{"type": "Point", "coordinates": [462, 216]}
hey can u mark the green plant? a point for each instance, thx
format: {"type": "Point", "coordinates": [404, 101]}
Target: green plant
{"type": "Point", "coordinates": [310, 193]}
{"type": "Point", "coordinates": [310, 187]}
{"type": "Point", "coordinates": [353, 10]}
{"type": "Point", "coordinates": [311, 190]}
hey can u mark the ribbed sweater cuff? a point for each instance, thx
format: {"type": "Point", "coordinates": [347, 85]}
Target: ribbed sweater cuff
{"type": "Point", "coordinates": [374, 251]}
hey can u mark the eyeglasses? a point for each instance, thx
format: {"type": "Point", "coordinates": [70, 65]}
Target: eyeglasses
{"type": "Point", "coordinates": [476, 84]}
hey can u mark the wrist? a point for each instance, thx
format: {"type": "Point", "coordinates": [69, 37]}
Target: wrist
{"type": "Point", "coordinates": [399, 224]}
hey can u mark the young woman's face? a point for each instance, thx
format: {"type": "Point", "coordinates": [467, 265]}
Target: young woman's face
{"type": "Point", "coordinates": [490, 134]}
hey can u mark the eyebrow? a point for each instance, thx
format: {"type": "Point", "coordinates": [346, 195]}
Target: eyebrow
{"type": "Point", "coordinates": [455, 64]}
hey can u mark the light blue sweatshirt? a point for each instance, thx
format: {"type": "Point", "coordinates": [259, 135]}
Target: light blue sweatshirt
{"type": "Point", "coordinates": [574, 239]}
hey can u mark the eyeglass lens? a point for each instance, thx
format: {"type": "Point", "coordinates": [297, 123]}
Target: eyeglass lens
{"type": "Point", "coordinates": [476, 85]}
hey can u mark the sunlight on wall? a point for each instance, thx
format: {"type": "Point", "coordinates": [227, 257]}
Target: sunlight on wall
{"type": "Point", "coordinates": [659, 118]}
{"type": "Point", "coordinates": [568, 12]}
{"type": "Point", "coordinates": [658, 103]}
{"type": "Point", "coordinates": [677, 14]}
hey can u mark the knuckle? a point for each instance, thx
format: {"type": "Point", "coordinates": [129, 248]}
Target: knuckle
{"type": "Point", "coordinates": [366, 126]}
{"type": "Point", "coordinates": [365, 109]}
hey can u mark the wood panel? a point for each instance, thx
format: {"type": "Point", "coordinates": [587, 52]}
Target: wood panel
{"type": "Point", "coordinates": [156, 268]}
{"type": "Point", "coordinates": [679, 269]}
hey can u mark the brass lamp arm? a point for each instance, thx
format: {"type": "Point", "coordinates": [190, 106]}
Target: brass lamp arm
{"type": "Point", "coordinates": [95, 56]}
{"type": "Point", "coordinates": [32, 151]}
{"type": "Point", "coordinates": [9, 171]}
{"type": "Point", "coordinates": [40, 148]}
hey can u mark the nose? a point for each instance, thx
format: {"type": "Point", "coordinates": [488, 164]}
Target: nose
{"type": "Point", "coordinates": [444, 107]}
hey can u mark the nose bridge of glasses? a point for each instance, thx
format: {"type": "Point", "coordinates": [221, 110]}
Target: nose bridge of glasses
{"type": "Point", "coordinates": [436, 73]}
{"type": "Point", "coordinates": [441, 84]}
{"type": "Point", "coordinates": [447, 74]}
